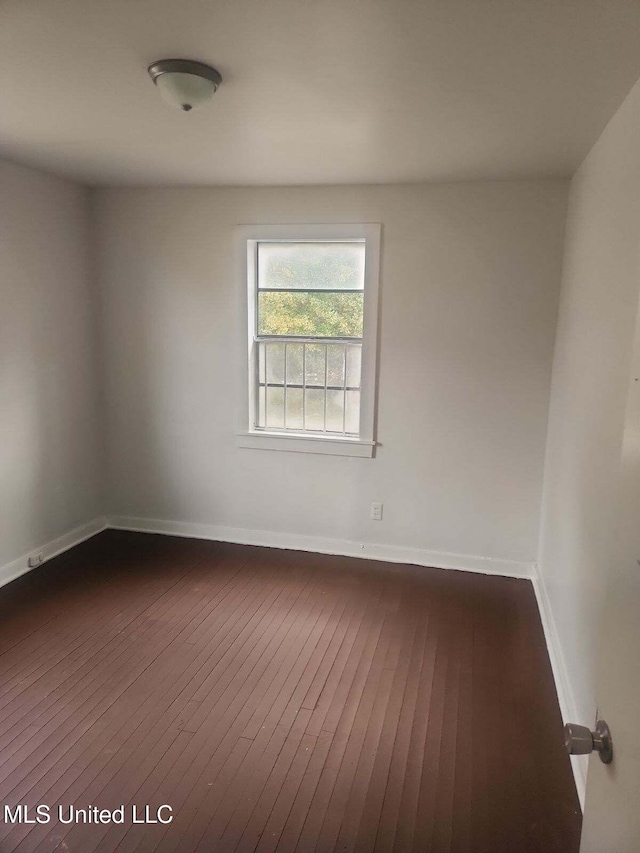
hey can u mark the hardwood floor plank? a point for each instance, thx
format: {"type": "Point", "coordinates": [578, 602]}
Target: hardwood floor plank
{"type": "Point", "coordinates": [360, 828]}
{"type": "Point", "coordinates": [342, 820]}
{"type": "Point", "coordinates": [348, 716]}
{"type": "Point", "coordinates": [382, 835]}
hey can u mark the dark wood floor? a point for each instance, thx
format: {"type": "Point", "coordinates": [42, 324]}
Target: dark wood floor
{"type": "Point", "coordinates": [278, 701]}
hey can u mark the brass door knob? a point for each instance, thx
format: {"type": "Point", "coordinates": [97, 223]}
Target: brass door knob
{"type": "Point", "coordinates": [579, 740]}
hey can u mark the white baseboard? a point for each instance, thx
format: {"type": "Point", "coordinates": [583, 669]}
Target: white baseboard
{"type": "Point", "coordinates": [322, 545]}
{"type": "Point", "coordinates": [568, 707]}
{"type": "Point", "coordinates": [16, 568]}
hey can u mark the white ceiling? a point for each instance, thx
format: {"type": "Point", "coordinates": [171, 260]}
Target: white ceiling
{"type": "Point", "coordinates": [314, 91]}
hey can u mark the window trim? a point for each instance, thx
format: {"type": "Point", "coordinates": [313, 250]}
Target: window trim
{"type": "Point", "coordinates": [247, 436]}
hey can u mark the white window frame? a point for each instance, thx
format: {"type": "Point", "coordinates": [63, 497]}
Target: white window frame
{"type": "Point", "coordinates": [247, 435]}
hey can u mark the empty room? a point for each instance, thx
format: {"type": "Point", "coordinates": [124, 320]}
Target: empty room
{"type": "Point", "coordinates": [319, 426]}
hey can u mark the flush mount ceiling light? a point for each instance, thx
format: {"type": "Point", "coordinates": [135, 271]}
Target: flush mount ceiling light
{"type": "Point", "coordinates": [184, 83]}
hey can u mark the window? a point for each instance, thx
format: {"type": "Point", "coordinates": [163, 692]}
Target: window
{"type": "Point", "coordinates": [311, 316]}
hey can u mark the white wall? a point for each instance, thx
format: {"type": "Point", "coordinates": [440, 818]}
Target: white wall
{"type": "Point", "coordinates": [470, 276]}
{"type": "Point", "coordinates": [49, 468]}
{"type": "Point", "coordinates": [600, 286]}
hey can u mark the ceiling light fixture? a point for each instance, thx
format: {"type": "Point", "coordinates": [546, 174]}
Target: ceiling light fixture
{"type": "Point", "coordinates": [184, 83]}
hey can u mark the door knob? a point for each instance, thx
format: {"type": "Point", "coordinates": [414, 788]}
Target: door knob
{"type": "Point", "coordinates": [579, 740]}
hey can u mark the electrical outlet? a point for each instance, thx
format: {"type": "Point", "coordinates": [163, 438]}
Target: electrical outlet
{"type": "Point", "coordinates": [376, 512]}
{"type": "Point", "coordinates": [35, 560]}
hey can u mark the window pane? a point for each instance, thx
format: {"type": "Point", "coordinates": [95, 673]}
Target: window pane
{"type": "Point", "coordinates": [314, 409]}
{"type": "Point", "coordinates": [335, 411]}
{"type": "Point", "coordinates": [354, 366]}
{"type": "Point", "coordinates": [275, 363]}
{"type": "Point", "coordinates": [294, 408]}
{"type": "Point", "coordinates": [314, 364]}
{"type": "Point", "coordinates": [275, 408]}
{"type": "Point", "coordinates": [305, 346]}
{"type": "Point", "coordinates": [313, 315]}
{"type": "Point", "coordinates": [294, 364]}
{"type": "Point", "coordinates": [311, 266]}
{"type": "Point", "coordinates": [335, 365]}
{"type": "Point", "coordinates": [352, 424]}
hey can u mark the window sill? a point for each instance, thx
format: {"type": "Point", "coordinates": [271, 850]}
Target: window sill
{"type": "Point", "coordinates": [299, 443]}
